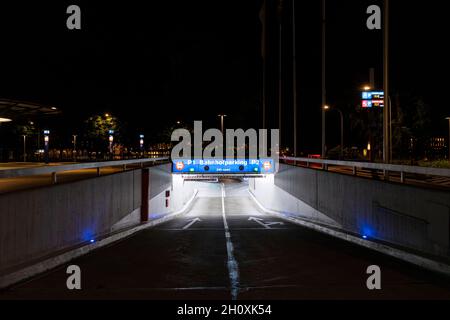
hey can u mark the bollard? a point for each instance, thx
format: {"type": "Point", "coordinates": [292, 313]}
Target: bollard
{"type": "Point", "coordinates": [54, 178]}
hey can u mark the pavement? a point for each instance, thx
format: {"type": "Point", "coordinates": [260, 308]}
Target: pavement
{"type": "Point", "coordinates": [42, 180]}
{"type": "Point", "coordinates": [225, 247]}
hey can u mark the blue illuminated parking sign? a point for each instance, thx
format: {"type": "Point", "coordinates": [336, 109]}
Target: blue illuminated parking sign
{"type": "Point", "coordinates": [372, 99]}
{"type": "Point", "coordinates": [372, 95]}
{"type": "Point", "coordinates": [223, 166]}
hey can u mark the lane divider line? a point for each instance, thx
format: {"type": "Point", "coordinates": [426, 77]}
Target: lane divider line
{"type": "Point", "coordinates": [233, 270]}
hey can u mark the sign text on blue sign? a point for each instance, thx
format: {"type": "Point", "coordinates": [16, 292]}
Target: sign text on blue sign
{"type": "Point", "coordinates": [224, 166]}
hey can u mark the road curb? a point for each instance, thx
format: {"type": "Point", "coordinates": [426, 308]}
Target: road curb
{"type": "Point", "coordinates": [53, 262]}
{"type": "Point", "coordinates": [417, 260]}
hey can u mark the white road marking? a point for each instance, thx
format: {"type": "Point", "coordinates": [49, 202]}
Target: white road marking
{"type": "Point", "coordinates": [191, 223]}
{"type": "Point", "coordinates": [258, 221]}
{"type": "Point", "coordinates": [274, 223]}
{"type": "Point", "coordinates": [233, 271]}
{"type": "Point", "coordinates": [262, 223]}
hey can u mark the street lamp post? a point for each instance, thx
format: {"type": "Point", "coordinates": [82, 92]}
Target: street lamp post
{"type": "Point", "coordinates": [448, 118]}
{"type": "Point", "coordinates": [24, 148]}
{"type": "Point", "coordinates": [221, 121]}
{"type": "Point", "coordinates": [46, 142]}
{"type": "Point", "coordinates": [294, 77]}
{"type": "Point", "coordinates": [342, 133]}
{"type": "Point", "coordinates": [326, 108]}
{"type": "Point", "coordinates": [387, 106]}
{"type": "Point", "coordinates": [111, 140]}
{"type": "Point", "coordinates": [324, 92]}
{"type": "Point", "coordinates": [74, 147]}
{"type": "Point", "coordinates": [280, 70]}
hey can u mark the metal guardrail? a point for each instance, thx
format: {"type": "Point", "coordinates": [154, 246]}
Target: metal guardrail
{"type": "Point", "coordinates": [54, 169]}
{"type": "Point", "coordinates": [386, 168]}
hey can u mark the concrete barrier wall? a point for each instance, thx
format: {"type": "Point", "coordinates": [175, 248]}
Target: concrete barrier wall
{"type": "Point", "coordinates": [410, 216]}
{"type": "Point", "coordinates": [160, 179]}
{"type": "Point", "coordinates": [39, 222]}
{"type": "Point", "coordinates": [276, 199]}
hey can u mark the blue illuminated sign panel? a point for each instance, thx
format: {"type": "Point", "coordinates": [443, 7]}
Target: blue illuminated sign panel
{"type": "Point", "coordinates": [372, 99]}
{"type": "Point", "coordinates": [224, 166]}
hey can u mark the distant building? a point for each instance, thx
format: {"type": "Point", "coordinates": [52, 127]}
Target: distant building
{"type": "Point", "coordinates": [160, 150]}
{"type": "Point", "coordinates": [437, 148]}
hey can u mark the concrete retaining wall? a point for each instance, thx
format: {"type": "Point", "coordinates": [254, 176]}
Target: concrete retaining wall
{"type": "Point", "coordinates": [274, 198]}
{"type": "Point", "coordinates": [409, 216]}
{"type": "Point", "coordinates": [40, 222]}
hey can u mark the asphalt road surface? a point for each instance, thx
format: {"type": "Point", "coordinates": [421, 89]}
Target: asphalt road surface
{"type": "Point", "coordinates": [226, 248]}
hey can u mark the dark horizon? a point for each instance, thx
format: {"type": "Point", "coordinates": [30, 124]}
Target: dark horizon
{"type": "Point", "coordinates": [156, 64]}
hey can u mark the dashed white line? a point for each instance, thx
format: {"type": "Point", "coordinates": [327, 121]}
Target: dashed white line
{"type": "Point", "coordinates": [233, 271]}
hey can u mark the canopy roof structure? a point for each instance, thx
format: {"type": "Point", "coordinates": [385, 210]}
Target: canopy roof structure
{"type": "Point", "coordinates": [17, 110]}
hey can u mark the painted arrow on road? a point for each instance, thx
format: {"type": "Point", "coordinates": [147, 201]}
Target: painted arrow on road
{"type": "Point", "coordinates": [191, 223]}
{"type": "Point", "coordinates": [262, 223]}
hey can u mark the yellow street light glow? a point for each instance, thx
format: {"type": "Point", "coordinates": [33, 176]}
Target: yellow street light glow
{"type": "Point", "coordinates": [367, 88]}
{"type": "Point", "coordinates": [369, 146]}
{"type": "Point", "coordinates": [326, 107]}
{"type": "Point", "coordinates": [5, 120]}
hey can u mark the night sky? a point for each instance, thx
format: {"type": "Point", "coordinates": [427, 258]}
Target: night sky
{"type": "Point", "coordinates": [164, 61]}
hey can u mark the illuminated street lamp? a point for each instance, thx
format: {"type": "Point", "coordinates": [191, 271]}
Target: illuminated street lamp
{"type": "Point", "coordinates": [369, 150]}
{"type": "Point", "coordinates": [46, 142]}
{"type": "Point", "coordinates": [326, 108]}
{"type": "Point", "coordinates": [141, 143]}
{"type": "Point", "coordinates": [2, 120]}
{"type": "Point", "coordinates": [111, 140]}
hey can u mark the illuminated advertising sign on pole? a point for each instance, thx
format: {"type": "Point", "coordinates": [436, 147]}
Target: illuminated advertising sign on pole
{"type": "Point", "coordinates": [372, 99]}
